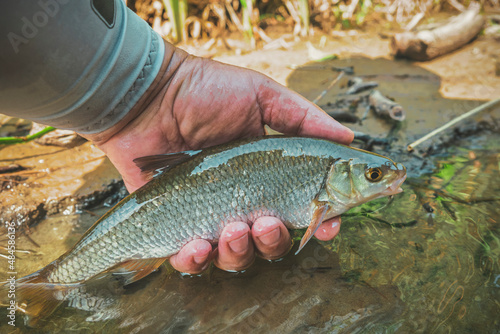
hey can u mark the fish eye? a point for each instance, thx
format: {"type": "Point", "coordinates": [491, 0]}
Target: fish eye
{"type": "Point", "coordinates": [373, 174]}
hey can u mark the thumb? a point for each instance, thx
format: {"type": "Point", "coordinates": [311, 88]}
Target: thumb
{"type": "Point", "coordinates": [288, 112]}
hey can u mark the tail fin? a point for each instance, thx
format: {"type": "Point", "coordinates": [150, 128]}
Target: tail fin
{"type": "Point", "coordinates": [37, 298]}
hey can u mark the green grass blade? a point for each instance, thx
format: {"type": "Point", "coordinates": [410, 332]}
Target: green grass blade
{"type": "Point", "coordinates": [18, 140]}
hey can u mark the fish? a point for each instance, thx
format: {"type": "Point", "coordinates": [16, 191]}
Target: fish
{"type": "Point", "coordinates": [195, 194]}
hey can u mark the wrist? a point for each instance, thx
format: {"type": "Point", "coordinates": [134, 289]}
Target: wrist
{"type": "Point", "coordinates": [172, 60]}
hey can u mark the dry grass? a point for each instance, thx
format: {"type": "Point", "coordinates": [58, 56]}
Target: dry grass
{"type": "Point", "coordinates": [213, 18]}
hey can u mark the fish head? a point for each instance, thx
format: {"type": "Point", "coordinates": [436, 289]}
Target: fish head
{"type": "Point", "coordinates": [361, 179]}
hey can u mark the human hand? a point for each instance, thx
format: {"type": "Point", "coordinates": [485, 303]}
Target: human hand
{"type": "Point", "coordinates": [204, 103]}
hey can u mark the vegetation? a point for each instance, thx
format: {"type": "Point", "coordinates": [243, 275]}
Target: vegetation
{"type": "Point", "coordinates": [177, 13]}
{"type": "Point", "coordinates": [19, 140]}
{"type": "Point", "coordinates": [194, 19]}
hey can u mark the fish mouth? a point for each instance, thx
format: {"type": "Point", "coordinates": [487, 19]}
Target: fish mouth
{"type": "Point", "coordinates": [395, 187]}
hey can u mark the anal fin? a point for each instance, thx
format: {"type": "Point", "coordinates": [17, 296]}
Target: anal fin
{"type": "Point", "coordinates": [134, 270]}
{"type": "Point", "coordinates": [318, 216]}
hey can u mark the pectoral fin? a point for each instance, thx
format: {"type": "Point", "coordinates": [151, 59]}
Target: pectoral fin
{"type": "Point", "coordinates": [153, 165]}
{"type": "Point", "coordinates": [318, 216]}
{"type": "Point", "coordinates": [134, 270]}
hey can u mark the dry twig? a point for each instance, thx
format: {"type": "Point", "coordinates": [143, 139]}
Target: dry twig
{"type": "Point", "coordinates": [330, 86]}
{"type": "Point", "coordinates": [474, 111]}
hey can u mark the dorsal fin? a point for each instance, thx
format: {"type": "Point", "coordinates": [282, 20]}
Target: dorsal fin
{"type": "Point", "coordinates": [153, 165]}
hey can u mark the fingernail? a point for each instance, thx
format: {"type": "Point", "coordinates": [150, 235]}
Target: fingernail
{"type": "Point", "coordinates": [265, 223]}
{"type": "Point", "coordinates": [271, 237]}
{"type": "Point", "coordinates": [201, 253]}
{"type": "Point", "coordinates": [200, 259]}
{"type": "Point", "coordinates": [333, 225]}
{"type": "Point", "coordinates": [239, 245]}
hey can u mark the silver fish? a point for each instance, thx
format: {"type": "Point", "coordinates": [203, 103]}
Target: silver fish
{"type": "Point", "coordinates": [301, 181]}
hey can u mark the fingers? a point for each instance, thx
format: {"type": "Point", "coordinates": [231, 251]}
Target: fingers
{"type": "Point", "coordinates": [193, 258]}
{"type": "Point", "coordinates": [328, 229]}
{"type": "Point", "coordinates": [237, 246]}
{"type": "Point", "coordinates": [271, 238]}
{"type": "Point", "coordinates": [235, 251]}
{"type": "Point", "coordinates": [288, 112]}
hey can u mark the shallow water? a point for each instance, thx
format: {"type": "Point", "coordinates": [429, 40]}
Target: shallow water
{"type": "Point", "coordinates": [426, 262]}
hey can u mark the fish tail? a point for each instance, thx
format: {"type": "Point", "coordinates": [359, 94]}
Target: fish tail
{"type": "Point", "coordinates": [38, 298]}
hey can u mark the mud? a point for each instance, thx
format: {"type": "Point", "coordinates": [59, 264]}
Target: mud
{"type": "Point", "coordinates": [467, 73]}
{"type": "Point", "coordinates": [416, 90]}
{"type": "Point", "coordinates": [53, 180]}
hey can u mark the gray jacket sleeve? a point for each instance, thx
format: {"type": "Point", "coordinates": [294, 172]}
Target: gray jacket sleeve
{"type": "Point", "coordinates": [79, 65]}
